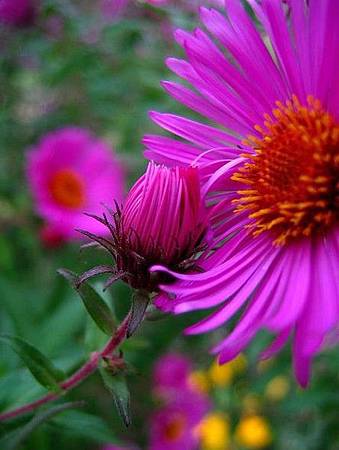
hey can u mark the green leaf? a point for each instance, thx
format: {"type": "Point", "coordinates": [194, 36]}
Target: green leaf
{"type": "Point", "coordinates": [12, 440]}
{"type": "Point", "coordinates": [38, 364]}
{"type": "Point", "coordinates": [94, 304]}
{"type": "Point", "coordinates": [84, 425]}
{"type": "Point", "coordinates": [140, 301]}
{"type": "Point", "coordinates": [117, 385]}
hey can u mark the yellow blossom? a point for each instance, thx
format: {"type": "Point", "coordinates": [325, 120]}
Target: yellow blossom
{"type": "Point", "coordinates": [253, 432]}
{"type": "Point", "coordinates": [222, 375]}
{"type": "Point", "coordinates": [198, 381]}
{"type": "Point", "coordinates": [251, 403]}
{"type": "Point", "coordinates": [214, 432]}
{"type": "Point", "coordinates": [264, 365]}
{"type": "Point", "coordinates": [239, 363]}
{"type": "Point", "coordinates": [277, 388]}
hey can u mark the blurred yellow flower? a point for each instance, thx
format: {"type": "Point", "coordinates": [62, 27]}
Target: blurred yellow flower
{"type": "Point", "coordinates": [239, 363]}
{"type": "Point", "coordinates": [198, 381]}
{"type": "Point", "coordinates": [251, 403]}
{"type": "Point", "coordinates": [214, 432]}
{"type": "Point", "coordinates": [277, 388]}
{"type": "Point", "coordinates": [264, 365]}
{"type": "Point", "coordinates": [253, 432]}
{"type": "Point", "coordinates": [222, 375]}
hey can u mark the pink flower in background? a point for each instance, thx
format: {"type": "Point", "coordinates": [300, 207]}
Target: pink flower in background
{"type": "Point", "coordinates": [172, 427]}
{"type": "Point", "coordinates": [171, 371]}
{"type": "Point", "coordinates": [113, 9]}
{"type": "Point", "coordinates": [51, 237]}
{"type": "Point", "coordinates": [71, 172]}
{"type": "Point", "coordinates": [17, 12]}
{"type": "Point", "coordinates": [270, 166]}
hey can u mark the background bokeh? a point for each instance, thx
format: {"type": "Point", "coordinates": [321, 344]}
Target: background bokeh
{"type": "Point", "coordinates": [98, 64]}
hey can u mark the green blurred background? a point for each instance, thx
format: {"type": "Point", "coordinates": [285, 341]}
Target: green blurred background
{"type": "Point", "coordinates": [73, 66]}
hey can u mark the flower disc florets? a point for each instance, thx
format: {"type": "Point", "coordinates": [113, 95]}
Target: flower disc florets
{"type": "Point", "coordinates": [163, 221]}
{"type": "Point", "coordinates": [292, 178]}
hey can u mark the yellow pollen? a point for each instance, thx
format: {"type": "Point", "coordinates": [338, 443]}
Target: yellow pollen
{"type": "Point", "coordinates": [66, 188]}
{"type": "Point", "coordinates": [292, 178]}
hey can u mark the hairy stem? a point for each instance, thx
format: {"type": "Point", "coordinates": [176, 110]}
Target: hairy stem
{"type": "Point", "coordinates": [74, 380]}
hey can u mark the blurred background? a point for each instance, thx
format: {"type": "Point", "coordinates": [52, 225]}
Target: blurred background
{"type": "Point", "coordinates": [96, 65]}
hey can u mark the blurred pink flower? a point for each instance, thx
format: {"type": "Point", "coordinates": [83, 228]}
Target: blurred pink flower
{"type": "Point", "coordinates": [171, 371]}
{"type": "Point", "coordinates": [113, 9]}
{"type": "Point", "coordinates": [173, 426]}
{"type": "Point", "coordinates": [17, 12]}
{"type": "Point", "coordinates": [51, 237]}
{"type": "Point", "coordinates": [71, 172]}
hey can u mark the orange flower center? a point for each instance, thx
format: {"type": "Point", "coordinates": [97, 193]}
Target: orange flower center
{"type": "Point", "coordinates": [175, 428]}
{"type": "Point", "coordinates": [67, 189]}
{"type": "Point", "coordinates": [293, 176]}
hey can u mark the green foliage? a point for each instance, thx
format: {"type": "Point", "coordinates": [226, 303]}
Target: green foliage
{"type": "Point", "coordinates": [41, 367]}
{"type": "Point", "coordinates": [117, 385]}
{"type": "Point", "coordinates": [95, 305]}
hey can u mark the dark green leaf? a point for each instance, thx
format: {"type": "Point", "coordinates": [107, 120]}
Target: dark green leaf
{"type": "Point", "coordinates": [94, 304]}
{"type": "Point", "coordinates": [17, 437]}
{"type": "Point", "coordinates": [39, 365]}
{"type": "Point", "coordinates": [81, 424]}
{"type": "Point", "coordinates": [140, 301]}
{"type": "Point", "coordinates": [117, 385]}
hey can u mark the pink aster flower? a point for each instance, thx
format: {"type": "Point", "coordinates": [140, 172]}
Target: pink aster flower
{"type": "Point", "coordinates": [17, 12]}
{"type": "Point", "coordinates": [171, 371]}
{"type": "Point", "coordinates": [163, 221]}
{"type": "Point", "coordinates": [71, 172]}
{"type": "Point", "coordinates": [269, 158]}
{"type": "Point", "coordinates": [113, 9]}
{"type": "Point", "coordinates": [173, 426]}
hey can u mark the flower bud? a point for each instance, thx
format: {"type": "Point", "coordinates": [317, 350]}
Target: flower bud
{"type": "Point", "coordinates": [163, 221]}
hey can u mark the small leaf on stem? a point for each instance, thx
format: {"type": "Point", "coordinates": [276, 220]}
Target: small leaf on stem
{"type": "Point", "coordinates": [140, 301]}
{"type": "Point", "coordinates": [94, 304]}
{"type": "Point", "coordinates": [38, 364]}
{"type": "Point", "coordinates": [117, 385]}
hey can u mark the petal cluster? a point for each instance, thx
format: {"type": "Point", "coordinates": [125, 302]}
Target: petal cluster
{"type": "Point", "coordinates": [163, 223]}
{"type": "Point", "coordinates": [163, 215]}
{"type": "Point", "coordinates": [71, 172]}
{"type": "Point", "coordinates": [238, 78]}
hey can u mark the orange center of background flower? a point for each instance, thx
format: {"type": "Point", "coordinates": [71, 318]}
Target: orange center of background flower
{"type": "Point", "coordinates": [293, 176]}
{"type": "Point", "coordinates": [67, 189]}
{"type": "Point", "coordinates": [175, 428]}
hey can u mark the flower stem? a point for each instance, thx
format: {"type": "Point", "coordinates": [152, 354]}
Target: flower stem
{"type": "Point", "coordinates": [74, 380]}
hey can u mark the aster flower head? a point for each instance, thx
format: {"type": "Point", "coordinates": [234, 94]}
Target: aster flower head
{"type": "Point", "coordinates": [270, 166]}
{"type": "Point", "coordinates": [17, 12]}
{"type": "Point", "coordinates": [71, 172]}
{"type": "Point", "coordinates": [162, 221]}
